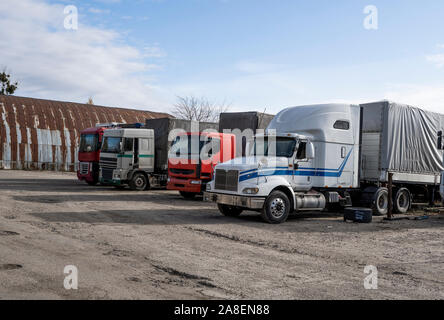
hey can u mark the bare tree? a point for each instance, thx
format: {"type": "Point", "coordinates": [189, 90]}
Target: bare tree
{"type": "Point", "coordinates": [90, 101]}
{"type": "Point", "coordinates": [198, 109]}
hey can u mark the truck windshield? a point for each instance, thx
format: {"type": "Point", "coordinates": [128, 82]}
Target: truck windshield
{"type": "Point", "coordinates": [111, 144]}
{"type": "Point", "coordinates": [284, 147]}
{"type": "Point", "coordinates": [183, 145]}
{"type": "Point", "coordinates": [89, 143]}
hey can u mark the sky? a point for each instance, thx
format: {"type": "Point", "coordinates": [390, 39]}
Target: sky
{"type": "Point", "coordinates": [252, 54]}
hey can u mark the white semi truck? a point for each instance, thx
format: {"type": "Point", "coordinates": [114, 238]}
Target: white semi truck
{"type": "Point", "coordinates": [334, 155]}
{"type": "Point", "coordinates": [127, 158]}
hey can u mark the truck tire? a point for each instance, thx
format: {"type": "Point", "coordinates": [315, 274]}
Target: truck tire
{"type": "Point", "coordinates": [92, 183]}
{"type": "Point", "coordinates": [188, 195]}
{"type": "Point", "coordinates": [229, 211]}
{"type": "Point", "coordinates": [402, 201]}
{"type": "Point", "coordinates": [381, 202]}
{"type": "Point", "coordinates": [276, 208]}
{"type": "Point", "coordinates": [139, 182]}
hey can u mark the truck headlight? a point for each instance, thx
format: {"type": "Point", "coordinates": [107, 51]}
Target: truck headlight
{"type": "Point", "coordinates": [116, 175]}
{"type": "Point", "coordinates": [250, 190]}
{"type": "Point", "coordinates": [168, 179]}
{"type": "Point", "coordinates": [208, 187]}
{"type": "Point", "coordinates": [195, 182]}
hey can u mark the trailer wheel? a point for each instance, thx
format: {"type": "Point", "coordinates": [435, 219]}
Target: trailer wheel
{"type": "Point", "coordinates": [403, 200]}
{"type": "Point", "coordinates": [188, 195]}
{"type": "Point", "coordinates": [276, 208]}
{"type": "Point", "coordinates": [139, 182]}
{"type": "Point", "coordinates": [381, 202]}
{"type": "Point", "coordinates": [229, 211]}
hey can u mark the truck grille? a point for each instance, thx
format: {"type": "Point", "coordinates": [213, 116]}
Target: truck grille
{"type": "Point", "coordinates": [227, 180]}
{"type": "Point", "coordinates": [110, 163]}
{"type": "Point", "coordinates": [84, 168]}
{"type": "Point", "coordinates": [182, 171]}
{"type": "Point", "coordinates": [107, 174]}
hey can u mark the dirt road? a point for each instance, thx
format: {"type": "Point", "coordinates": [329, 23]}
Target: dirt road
{"type": "Point", "coordinates": [155, 245]}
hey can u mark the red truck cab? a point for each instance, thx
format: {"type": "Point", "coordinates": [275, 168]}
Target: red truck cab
{"type": "Point", "coordinates": [89, 155]}
{"type": "Point", "coordinates": [188, 172]}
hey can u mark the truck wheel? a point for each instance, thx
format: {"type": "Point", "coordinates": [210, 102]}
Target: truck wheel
{"type": "Point", "coordinates": [187, 195]}
{"type": "Point", "coordinates": [139, 182]}
{"type": "Point", "coordinates": [403, 200]}
{"type": "Point", "coordinates": [276, 208]}
{"type": "Point", "coordinates": [381, 202]}
{"type": "Point", "coordinates": [229, 211]}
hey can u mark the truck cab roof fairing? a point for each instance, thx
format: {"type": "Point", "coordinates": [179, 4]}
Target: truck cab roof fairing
{"type": "Point", "coordinates": [317, 121]}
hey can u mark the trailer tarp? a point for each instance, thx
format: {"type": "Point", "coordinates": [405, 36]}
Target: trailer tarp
{"type": "Point", "coordinates": [408, 137]}
{"type": "Point", "coordinates": [413, 134]}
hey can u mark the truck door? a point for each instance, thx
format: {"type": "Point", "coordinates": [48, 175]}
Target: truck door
{"type": "Point", "coordinates": [345, 174]}
{"type": "Point", "coordinates": [127, 154]}
{"type": "Point", "coordinates": [146, 153]}
{"type": "Point", "coordinates": [302, 169]}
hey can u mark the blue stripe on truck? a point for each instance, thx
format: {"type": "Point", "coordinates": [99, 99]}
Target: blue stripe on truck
{"type": "Point", "coordinates": [284, 171]}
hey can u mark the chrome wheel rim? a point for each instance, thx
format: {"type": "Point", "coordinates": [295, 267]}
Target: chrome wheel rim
{"type": "Point", "coordinates": [139, 182]}
{"type": "Point", "coordinates": [383, 202]}
{"type": "Point", "coordinates": [403, 201]}
{"type": "Point", "coordinates": [277, 208]}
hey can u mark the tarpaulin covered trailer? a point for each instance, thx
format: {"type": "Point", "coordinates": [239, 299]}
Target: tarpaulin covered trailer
{"type": "Point", "coordinates": [403, 140]}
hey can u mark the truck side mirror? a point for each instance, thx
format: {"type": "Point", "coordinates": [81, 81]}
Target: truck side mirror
{"type": "Point", "coordinates": [310, 151]}
{"type": "Point", "coordinates": [440, 146]}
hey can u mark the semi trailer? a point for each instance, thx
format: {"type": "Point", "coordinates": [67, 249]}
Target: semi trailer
{"type": "Point", "coordinates": [137, 155]}
{"type": "Point", "coordinates": [192, 157]}
{"type": "Point", "coordinates": [335, 155]}
{"type": "Point", "coordinates": [244, 125]}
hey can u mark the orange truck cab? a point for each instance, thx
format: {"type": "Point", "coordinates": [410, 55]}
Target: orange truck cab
{"type": "Point", "coordinates": [192, 158]}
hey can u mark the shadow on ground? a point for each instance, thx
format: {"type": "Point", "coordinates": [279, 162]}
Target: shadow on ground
{"type": "Point", "coordinates": [307, 222]}
{"type": "Point", "coordinates": [54, 185]}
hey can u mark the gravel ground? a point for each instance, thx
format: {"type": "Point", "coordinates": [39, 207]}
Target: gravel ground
{"type": "Point", "coordinates": [155, 245]}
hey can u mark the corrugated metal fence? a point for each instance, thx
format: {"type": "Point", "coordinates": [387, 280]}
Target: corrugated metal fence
{"type": "Point", "coordinates": [44, 135]}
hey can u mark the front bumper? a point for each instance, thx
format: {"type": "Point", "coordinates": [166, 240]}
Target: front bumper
{"type": "Point", "coordinates": [90, 176]}
{"type": "Point", "coordinates": [185, 185]}
{"type": "Point", "coordinates": [111, 182]}
{"type": "Point", "coordinates": [235, 200]}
